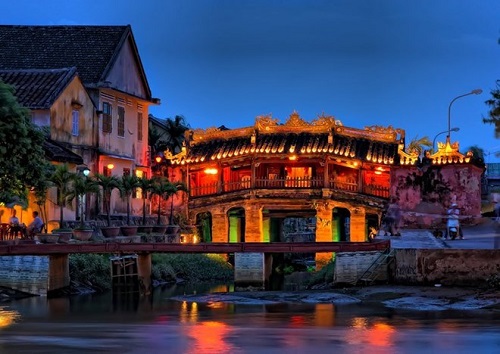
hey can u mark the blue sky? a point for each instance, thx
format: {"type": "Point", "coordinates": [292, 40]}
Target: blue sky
{"type": "Point", "coordinates": [385, 62]}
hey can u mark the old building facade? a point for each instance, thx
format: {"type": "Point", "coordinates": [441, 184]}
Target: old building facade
{"type": "Point", "coordinates": [111, 131]}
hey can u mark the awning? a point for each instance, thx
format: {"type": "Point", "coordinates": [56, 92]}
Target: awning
{"type": "Point", "coordinates": [56, 152]}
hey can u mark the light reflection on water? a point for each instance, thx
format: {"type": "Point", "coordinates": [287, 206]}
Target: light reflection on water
{"type": "Point", "coordinates": [129, 323]}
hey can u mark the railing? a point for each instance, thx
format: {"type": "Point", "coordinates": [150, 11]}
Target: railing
{"type": "Point", "coordinates": [378, 191]}
{"type": "Point", "coordinates": [286, 183]}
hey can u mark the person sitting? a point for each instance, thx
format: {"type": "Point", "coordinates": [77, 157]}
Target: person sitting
{"type": "Point", "coordinates": [15, 226]}
{"type": "Point", "coordinates": [35, 226]}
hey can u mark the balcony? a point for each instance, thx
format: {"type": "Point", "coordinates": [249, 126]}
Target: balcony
{"type": "Point", "coordinates": [292, 184]}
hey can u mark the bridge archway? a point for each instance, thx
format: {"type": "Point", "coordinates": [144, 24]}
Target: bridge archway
{"type": "Point", "coordinates": [341, 224]}
{"type": "Point", "coordinates": [204, 226]}
{"type": "Point", "coordinates": [237, 223]}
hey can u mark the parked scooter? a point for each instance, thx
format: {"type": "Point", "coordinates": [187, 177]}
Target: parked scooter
{"type": "Point", "coordinates": [453, 225]}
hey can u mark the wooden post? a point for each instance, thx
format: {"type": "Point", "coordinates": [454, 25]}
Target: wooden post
{"type": "Point", "coordinates": [144, 273]}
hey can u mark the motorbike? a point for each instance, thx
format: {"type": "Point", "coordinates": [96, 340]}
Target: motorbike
{"type": "Point", "coordinates": [452, 228]}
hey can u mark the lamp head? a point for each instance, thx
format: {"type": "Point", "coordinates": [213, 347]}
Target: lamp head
{"type": "Point", "coordinates": [456, 129]}
{"type": "Point", "coordinates": [477, 91]}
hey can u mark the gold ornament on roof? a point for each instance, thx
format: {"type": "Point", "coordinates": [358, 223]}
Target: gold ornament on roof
{"type": "Point", "coordinates": [295, 121]}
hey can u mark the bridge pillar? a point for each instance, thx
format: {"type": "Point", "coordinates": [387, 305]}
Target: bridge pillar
{"type": "Point", "coordinates": [358, 225]}
{"type": "Point", "coordinates": [252, 269]}
{"type": "Point", "coordinates": [324, 233]}
{"type": "Point", "coordinates": [58, 272]}
{"type": "Point", "coordinates": [253, 224]}
{"type": "Point", "coordinates": [144, 272]}
{"type": "Point", "coordinates": [220, 226]}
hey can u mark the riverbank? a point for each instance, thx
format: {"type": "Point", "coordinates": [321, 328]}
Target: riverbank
{"type": "Point", "coordinates": [418, 298]}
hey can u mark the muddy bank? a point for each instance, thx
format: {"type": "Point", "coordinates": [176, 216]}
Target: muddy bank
{"type": "Point", "coordinates": [400, 297]}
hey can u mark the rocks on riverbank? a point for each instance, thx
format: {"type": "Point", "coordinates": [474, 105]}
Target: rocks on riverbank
{"type": "Point", "coordinates": [401, 297]}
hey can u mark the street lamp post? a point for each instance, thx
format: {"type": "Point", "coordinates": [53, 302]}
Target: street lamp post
{"type": "Point", "coordinates": [473, 92]}
{"type": "Point", "coordinates": [456, 129]}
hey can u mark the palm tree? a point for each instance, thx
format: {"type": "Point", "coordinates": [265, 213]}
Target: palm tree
{"type": "Point", "coordinates": [80, 187]}
{"type": "Point", "coordinates": [107, 183]}
{"type": "Point", "coordinates": [61, 179]}
{"type": "Point", "coordinates": [145, 184]}
{"type": "Point", "coordinates": [178, 187]}
{"type": "Point", "coordinates": [162, 188]}
{"type": "Point", "coordinates": [175, 129]}
{"type": "Point", "coordinates": [418, 144]}
{"type": "Point", "coordinates": [128, 184]}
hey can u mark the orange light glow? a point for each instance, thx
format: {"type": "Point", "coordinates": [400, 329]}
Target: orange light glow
{"type": "Point", "coordinates": [211, 171]}
{"type": "Point", "coordinates": [292, 157]}
{"type": "Point", "coordinates": [378, 172]}
{"type": "Point", "coordinates": [110, 166]}
{"type": "Point", "coordinates": [211, 337]}
{"type": "Point", "coordinates": [158, 159]}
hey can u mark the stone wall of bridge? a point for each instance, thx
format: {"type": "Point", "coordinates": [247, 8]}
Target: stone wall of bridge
{"type": "Point", "coordinates": [29, 274]}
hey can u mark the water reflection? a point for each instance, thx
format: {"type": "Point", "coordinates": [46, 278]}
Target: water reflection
{"type": "Point", "coordinates": [8, 318]}
{"type": "Point", "coordinates": [130, 323]}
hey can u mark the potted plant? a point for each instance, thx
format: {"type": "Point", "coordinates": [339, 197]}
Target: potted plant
{"type": "Point", "coordinates": [81, 186]}
{"type": "Point", "coordinates": [61, 179]}
{"type": "Point", "coordinates": [128, 184]}
{"type": "Point", "coordinates": [145, 184]}
{"type": "Point", "coordinates": [173, 227]}
{"type": "Point", "coordinates": [108, 184]}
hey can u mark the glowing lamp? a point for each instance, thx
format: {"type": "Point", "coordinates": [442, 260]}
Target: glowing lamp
{"type": "Point", "coordinates": [158, 159]}
{"type": "Point", "coordinates": [292, 157]}
{"type": "Point", "coordinates": [86, 172]}
{"type": "Point", "coordinates": [210, 171]}
{"type": "Point", "coordinates": [110, 166]}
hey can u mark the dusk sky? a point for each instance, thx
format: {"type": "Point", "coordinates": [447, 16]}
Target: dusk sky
{"type": "Point", "coordinates": [385, 62]}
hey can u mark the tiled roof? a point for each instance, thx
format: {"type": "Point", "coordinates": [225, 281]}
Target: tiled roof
{"type": "Point", "coordinates": [301, 144]}
{"type": "Point", "coordinates": [38, 89]}
{"type": "Point", "coordinates": [90, 48]}
{"type": "Point", "coordinates": [56, 152]}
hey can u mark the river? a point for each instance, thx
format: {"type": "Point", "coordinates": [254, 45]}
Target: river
{"type": "Point", "coordinates": [127, 323]}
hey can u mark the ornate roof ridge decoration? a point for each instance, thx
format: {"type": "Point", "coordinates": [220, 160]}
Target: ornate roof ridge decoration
{"type": "Point", "coordinates": [266, 124]}
{"type": "Point", "coordinates": [295, 124]}
{"type": "Point", "coordinates": [373, 132]}
{"type": "Point", "coordinates": [407, 158]}
{"type": "Point", "coordinates": [449, 153]}
{"type": "Point", "coordinates": [212, 133]}
{"type": "Point", "coordinates": [178, 158]}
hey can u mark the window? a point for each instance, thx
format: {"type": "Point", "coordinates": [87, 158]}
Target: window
{"type": "Point", "coordinates": [107, 118]}
{"type": "Point", "coordinates": [126, 171]}
{"type": "Point", "coordinates": [139, 126]}
{"type": "Point", "coordinates": [121, 121]}
{"type": "Point", "coordinates": [76, 120]}
{"type": "Point", "coordinates": [138, 191]}
{"type": "Point", "coordinates": [106, 171]}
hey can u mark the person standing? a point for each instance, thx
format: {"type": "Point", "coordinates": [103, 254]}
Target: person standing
{"type": "Point", "coordinates": [453, 221]}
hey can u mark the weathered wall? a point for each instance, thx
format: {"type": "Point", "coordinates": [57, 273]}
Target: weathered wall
{"type": "Point", "coordinates": [29, 274]}
{"type": "Point", "coordinates": [350, 266]}
{"type": "Point", "coordinates": [446, 266]}
{"type": "Point", "coordinates": [424, 193]}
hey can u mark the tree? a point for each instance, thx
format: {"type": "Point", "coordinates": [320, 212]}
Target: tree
{"type": "Point", "coordinates": [81, 186]}
{"type": "Point", "coordinates": [418, 145]}
{"type": "Point", "coordinates": [108, 184]}
{"type": "Point", "coordinates": [40, 192]}
{"type": "Point", "coordinates": [22, 158]}
{"type": "Point", "coordinates": [175, 130]}
{"type": "Point", "coordinates": [477, 152]}
{"type": "Point", "coordinates": [145, 184]}
{"type": "Point", "coordinates": [61, 179]}
{"type": "Point", "coordinates": [162, 188]}
{"type": "Point", "coordinates": [494, 113]}
{"type": "Point", "coordinates": [128, 184]}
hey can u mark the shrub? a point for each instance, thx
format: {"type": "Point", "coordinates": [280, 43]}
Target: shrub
{"type": "Point", "coordinates": [90, 269]}
{"type": "Point", "coordinates": [190, 267]}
